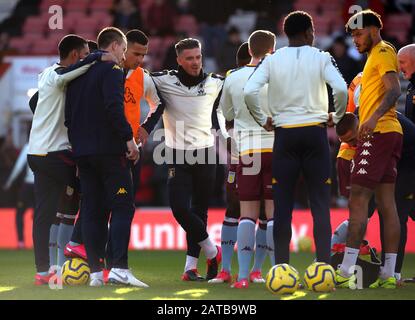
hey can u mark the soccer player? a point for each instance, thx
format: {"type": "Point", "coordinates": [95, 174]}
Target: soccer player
{"type": "Point", "coordinates": [298, 101]}
{"type": "Point", "coordinates": [406, 60]}
{"type": "Point", "coordinates": [190, 95]}
{"type": "Point", "coordinates": [254, 173]}
{"type": "Point", "coordinates": [405, 183]}
{"type": "Point", "coordinates": [138, 84]}
{"type": "Point", "coordinates": [377, 151]}
{"type": "Point", "coordinates": [49, 154]}
{"type": "Point", "coordinates": [103, 144]}
{"type": "Point", "coordinates": [232, 214]}
{"type": "Point", "coordinates": [346, 153]}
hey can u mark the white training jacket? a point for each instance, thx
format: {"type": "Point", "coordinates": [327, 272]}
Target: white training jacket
{"type": "Point", "coordinates": [249, 136]}
{"type": "Point", "coordinates": [297, 92]}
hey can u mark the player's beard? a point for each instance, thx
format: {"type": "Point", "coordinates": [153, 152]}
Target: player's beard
{"type": "Point", "coordinates": [368, 44]}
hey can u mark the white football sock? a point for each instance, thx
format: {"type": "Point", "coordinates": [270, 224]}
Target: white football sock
{"type": "Point", "coordinates": [349, 260]}
{"type": "Point", "coordinates": [388, 269]}
{"type": "Point", "coordinates": [208, 248]}
{"type": "Point", "coordinates": [191, 263]}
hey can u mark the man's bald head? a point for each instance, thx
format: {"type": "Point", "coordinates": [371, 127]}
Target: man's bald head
{"type": "Point", "coordinates": [406, 59]}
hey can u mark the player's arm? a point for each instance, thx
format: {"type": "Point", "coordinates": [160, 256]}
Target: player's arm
{"type": "Point", "coordinates": [156, 104]}
{"type": "Point", "coordinates": [387, 66]}
{"type": "Point", "coordinates": [218, 119]}
{"type": "Point", "coordinates": [225, 103]}
{"type": "Point", "coordinates": [18, 167]}
{"type": "Point", "coordinates": [334, 78]}
{"type": "Point", "coordinates": [251, 91]}
{"type": "Point", "coordinates": [33, 102]}
{"type": "Point", "coordinates": [62, 76]}
{"type": "Point", "coordinates": [393, 91]}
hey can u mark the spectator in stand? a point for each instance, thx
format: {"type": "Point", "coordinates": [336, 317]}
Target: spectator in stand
{"type": "Point", "coordinates": [127, 16]}
{"type": "Point", "coordinates": [170, 59]}
{"type": "Point", "coordinates": [160, 18]}
{"type": "Point", "coordinates": [226, 56]}
{"type": "Point", "coordinates": [348, 66]}
{"type": "Point", "coordinates": [212, 23]}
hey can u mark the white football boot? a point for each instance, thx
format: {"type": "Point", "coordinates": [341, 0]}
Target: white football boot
{"type": "Point", "coordinates": [96, 279]}
{"type": "Point", "coordinates": [125, 277]}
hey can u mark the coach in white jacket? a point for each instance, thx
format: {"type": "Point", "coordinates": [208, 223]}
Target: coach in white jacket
{"type": "Point", "coordinates": [298, 101]}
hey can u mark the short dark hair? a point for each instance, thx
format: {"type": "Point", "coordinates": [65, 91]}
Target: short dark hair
{"type": "Point", "coordinates": [92, 45]}
{"type": "Point", "coordinates": [260, 42]}
{"type": "Point", "coordinates": [188, 43]}
{"type": "Point", "coordinates": [137, 36]}
{"type": "Point", "coordinates": [242, 56]}
{"type": "Point", "coordinates": [109, 35]}
{"type": "Point", "coordinates": [70, 42]}
{"type": "Point", "coordinates": [297, 22]}
{"type": "Point", "coordinates": [367, 17]}
{"type": "Point", "coordinates": [346, 123]}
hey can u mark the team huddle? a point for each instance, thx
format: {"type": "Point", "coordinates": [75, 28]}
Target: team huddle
{"type": "Point", "coordinates": [272, 112]}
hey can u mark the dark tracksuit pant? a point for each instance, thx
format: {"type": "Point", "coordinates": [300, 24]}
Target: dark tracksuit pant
{"type": "Point", "coordinates": [301, 150]}
{"type": "Point", "coordinates": [55, 191]}
{"type": "Point", "coordinates": [106, 186]}
{"type": "Point", "coordinates": [77, 233]}
{"type": "Point", "coordinates": [190, 187]}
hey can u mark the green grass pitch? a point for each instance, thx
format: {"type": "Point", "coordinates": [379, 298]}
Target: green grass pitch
{"type": "Point", "coordinates": [162, 270]}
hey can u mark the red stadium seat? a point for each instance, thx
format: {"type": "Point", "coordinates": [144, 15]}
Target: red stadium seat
{"type": "Point", "coordinates": [22, 45]}
{"type": "Point", "coordinates": [76, 5]}
{"type": "Point", "coordinates": [45, 4]}
{"type": "Point", "coordinates": [399, 21]}
{"type": "Point", "coordinates": [89, 25]}
{"type": "Point", "coordinates": [155, 46]}
{"type": "Point", "coordinates": [45, 46]}
{"type": "Point", "coordinates": [100, 5]}
{"type": "Point", "coordinates": [103, 18]}
{"type": "Point", "coordinates": [187, 23]}
{"type": "Point", "coordinates": [35, 24]}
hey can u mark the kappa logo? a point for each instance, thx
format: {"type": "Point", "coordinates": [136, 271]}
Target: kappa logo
{"type": "Point", "coordinates": [362, 171]}
{"type": "Point", "coordinates": [231, 177]}
{"type": "Point", "coordinates": [171, 173]}
{"type": "Point", "coordinates": [367, 144]}
{"type": "Point", "coordinates": [121, 191]}
{"type": "Point", "coordinates": [365, 153]}
{"type": "Point", "coordinates": [69, 191]}
{"type": "Point", "coordinates": [128, 96]}
{"type": "Point", "coordinates": [116, 67]}
{"type": "Point", "coordinates": [363, 162]}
